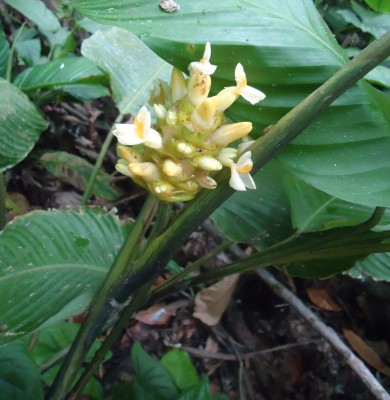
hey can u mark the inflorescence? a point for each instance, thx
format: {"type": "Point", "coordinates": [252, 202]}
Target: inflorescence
{"type": "Point", "coordinates": [174, 160]}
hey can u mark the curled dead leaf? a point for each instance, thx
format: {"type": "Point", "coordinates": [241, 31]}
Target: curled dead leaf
{"type": "Point", "coordinates": [211, 302]}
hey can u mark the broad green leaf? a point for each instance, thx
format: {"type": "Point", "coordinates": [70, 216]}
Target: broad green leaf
{"type": "Point", "coordinates": [181, 368]}
{"type": "Point", "coordinates": [51, 344]}
{"type": "Point", "coordinates": [37, 12]}
{"type": "Point", "coordinates": [368, 21]}
{"type": "Point", "coordinates": [287, 52]}
{"type": "Point", "coordinates": [376, 266]}
{"type": "Point", "coordinates": [87, 91]}
{"type": "Point", "coordinates": [257, 216]}
{"type": "Point", "coordinates": [51, 263]}
{"type": "Point", "coordinates": [76, 171]}
{"type": "Point", "coordinates": [28, 46]}
{"type": "Point", "coordinates": [4, 52]}
{"type": "Point", "coordinates": [19, 376]}
{"type": "Point", "coordinates": [379, 76]}
{"type": "Point", "coordinates": [200, 391]}
{"type": "Point", "coordinates": [21, 125]}
{"type": "Point", "coordinates": [152, 375]}
{"type": "Point", "coordinates": [131, 66]}
{"type": "Point", "coordinates": [58, 73]}
{"type": "Point", "coordinates": [313, 210]}
{"type": "Point", "coordinates": [379, 5]}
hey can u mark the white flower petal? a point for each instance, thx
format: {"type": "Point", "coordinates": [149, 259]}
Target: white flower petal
{"type": "Point", "coordinates": [235, 181]}
{"type": "Point", "coordinates": [153, 139]}
{"type": "Point", "coordinates": [251, 94]}
{"type": "Point", "coordinates": [203, 68]}
{"type": "Point", "coordinates": [207, 52]}
{"type": "Point", "coordinates": [244, 146]}
{"type": "Point", "coordinates": [127, 134]}
{"type": "Point", "coordinates": [239, 74]}
{"type": "Point", "coordinates": [248, 181]}
{"type": "Point", "coordinates": [244, 159]}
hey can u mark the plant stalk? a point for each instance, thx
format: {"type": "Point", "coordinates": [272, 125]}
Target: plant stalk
{"type": "Point", "coordinates": [103, 303]}
{"type": "Point", "coordinates": [98, 164]}
{"type": "Point", "coordinates": [3, 209]}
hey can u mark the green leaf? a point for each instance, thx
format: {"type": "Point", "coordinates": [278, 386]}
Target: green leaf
{"type": "Point", "coordinates": [37, 12]}
{"type": "Point", "coordinates": [4, 52]}
{"type": "Point", "coordinates": [366, 20]}
{"type": "Point", "coordinates": [51, 263]}
{"type": "Point", "coordinates": [181, 368]}
{"type": "Point", "coordinates": [257, 216]}
{"type": "Point", "coordinates": [379, 76]}
{"type": "Point", "coordinates": [87, 92]}
{"type": "Point", "coordinates": [28, 46]}
{"type": "Point", "coordinates": [19, 376]}
{"type": "Point", "coordinates": [379, 5]}
{"type": "Point", "coordinates": [76, 171]}
{"type": "Point", "coordinates": [313, 210]}
{"type": "Point", "coordinates": [59, 73]}
{"type": "Point", "coordinates": [287, 52]}
{"type": "Point", "coordinates": [51, 344]}
{"type": "Point", "coordinates": [21, 125]}
{"type": "Point", "coordinates": [152, 375]}
{"type": "Point", "coordinates": [376, 266]}
{"type": "Point", "coordinates": [200, 391]}
{"type": "Point", "coordinates": [131, 66]}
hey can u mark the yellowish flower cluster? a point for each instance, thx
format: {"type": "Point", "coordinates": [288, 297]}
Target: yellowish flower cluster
{"type": "Point", "coordinates": [175, 160]}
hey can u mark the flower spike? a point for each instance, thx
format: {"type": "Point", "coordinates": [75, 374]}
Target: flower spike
{"type": "Point", "coordinates": [190, 143]}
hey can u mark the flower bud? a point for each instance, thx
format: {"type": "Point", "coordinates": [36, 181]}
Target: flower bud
{"type": "Point", "coordinates": [160, 111]}
{"type": "Point", "coordinates": [198, 88]}
{"type": "Point", "coordinates": [229, 133]}
{"type": "Point", "coordinates": [163, 187]}
{"type": "Point", "coordinates": [185, 148]}
{"type": "Point", "coordinates": [204, 115]}
{"type": "Point", "coordinates": [128, 154]}
{"type": "Point", "coordinates": [146, 170]}
{"type": "Point", "coordinates": [171, 168]}
{"type": "Point", "coordinates": [179, 85]}
{"type": "Point", "coordinates": [208, 163]}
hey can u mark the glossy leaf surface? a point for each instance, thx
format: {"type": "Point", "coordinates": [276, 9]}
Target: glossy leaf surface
{"type": "Point", "coordinates": [21, 125]}
{"type": "Point", "coordinates": [51, 262]}
{"type": "Point", "coordinates": [131, 66]}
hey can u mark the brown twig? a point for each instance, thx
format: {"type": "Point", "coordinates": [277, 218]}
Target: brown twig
{"type": "Point", "coordinates": [243, 356]}
{"type": "Point", "coordinates": [329, 334]}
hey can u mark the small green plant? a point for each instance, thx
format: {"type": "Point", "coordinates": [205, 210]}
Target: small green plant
{"type": "Point", "coordinates": [317, 164]}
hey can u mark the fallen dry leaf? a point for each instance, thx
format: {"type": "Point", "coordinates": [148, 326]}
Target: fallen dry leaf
{"type": "Point", "coordinates": [366, 352]}
{"type": "Point", "coordinates": [321, 299]}
{"type": "Point", "coordinates": [159, 314]}
{"type": "Point", "coordinates": [211, 302]}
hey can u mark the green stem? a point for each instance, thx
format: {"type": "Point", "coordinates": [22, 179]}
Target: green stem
{"type": "Point", "coordinates": [103, 303]}
{"type": "Point", "coordinates": [99, 162]}
{"type": "Point", "coordinates": [8, 71]}
{"type": "Point", "coordinates": [3, 210]}
{"type": "Point", "coordinates": [280, 258]}
{"type": "Point", "coordinates": [166, 288]}
{"type": "Point", "coordinates": [141, 297]}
